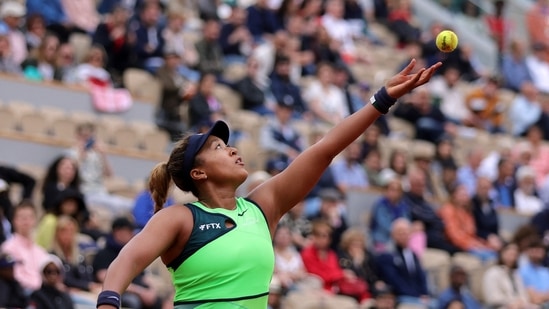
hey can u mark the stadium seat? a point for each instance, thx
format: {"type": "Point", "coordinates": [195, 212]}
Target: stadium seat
{"type": "Point", "coordinates": [64, 129]}
{"type": "Point", "coordinates": [401, 128]}
{"type": "Point", "coordinates": [106, 127]}
{"type": "Point", "coordinates": [142, 85]}
{"type": "Point", "coordinates": [126, 137]}
{"type": "Point", "coordinates": [254, 158]}
{"type": "Point", "coordinates": [155, 141]}
{"type": "Point", "coordinates": [116, 184]}
{"type": "Point", "coordinates": [81, 117]}
{"type": "Point", "coordinates": [34, 123]}
{"type": "Point", "coordinates": [234, 72]}
{"type": "Point", "coordinates": [231, 100]}
{"type": "Point", "coordinates": [51, 114]}
{"type": "Point", "coordinates": [8, 120]}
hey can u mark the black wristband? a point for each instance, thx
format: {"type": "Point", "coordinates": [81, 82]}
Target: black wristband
{"type": "Point", "coordinates": [110, 298]}
{"type": "Point", "coordinates": [382, 101]}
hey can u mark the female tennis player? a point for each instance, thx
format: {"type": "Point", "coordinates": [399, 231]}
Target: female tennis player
{"type": "Point", "coordinates": [219, 249]}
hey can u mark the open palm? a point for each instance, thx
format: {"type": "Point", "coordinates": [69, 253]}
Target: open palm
{"type": "Point", "coordinates": [404, 81]}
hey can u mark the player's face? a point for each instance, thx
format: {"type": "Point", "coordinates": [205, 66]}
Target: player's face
{"type": "Point", "coordinates": [221, 163]}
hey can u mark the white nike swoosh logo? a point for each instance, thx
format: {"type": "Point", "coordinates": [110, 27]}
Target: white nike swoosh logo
{"type": "Point", "coordinates": [113, 297]}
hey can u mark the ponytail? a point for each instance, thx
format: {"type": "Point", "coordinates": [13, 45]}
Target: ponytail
{"type": "Point", "coordinates": [159, 185]}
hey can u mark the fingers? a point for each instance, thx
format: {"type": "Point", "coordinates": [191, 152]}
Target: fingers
{"type": "Point", "coordinates": [408, 68]}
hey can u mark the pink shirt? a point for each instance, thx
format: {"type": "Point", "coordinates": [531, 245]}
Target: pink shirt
{"type": "Point", "coordinates": [18, 46]}
{"type": "Point", "coordinates": [30, 257]}
{"type": "Point", "coordinates": [540, 163]}
{"type": "Point", "coordinates": [82, 13]}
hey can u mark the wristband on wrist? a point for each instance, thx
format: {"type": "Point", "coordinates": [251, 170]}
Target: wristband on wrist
{"type": "Point", "coordinates": [110, 298]}
{"type": "Point", "coordinates": [382, 101]}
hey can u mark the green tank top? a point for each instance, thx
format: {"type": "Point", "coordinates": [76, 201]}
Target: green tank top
{"type": "Point", "coordinates": [228, 260]}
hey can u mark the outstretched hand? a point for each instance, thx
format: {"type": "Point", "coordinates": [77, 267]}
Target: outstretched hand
{"type": "Point", "coordinates": [404, 82]}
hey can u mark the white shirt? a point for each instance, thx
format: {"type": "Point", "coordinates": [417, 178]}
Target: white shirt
{"type": "Point", "coordinates": [331, 99]}
{"type": "Point", "coordinates": [539, 70]}
{"type": "Point", "coordinates": [527, 204]}
{"type": "Point", "coordinates": [340, 30]}
{"type": "Point", "coordinates": [452, 101]}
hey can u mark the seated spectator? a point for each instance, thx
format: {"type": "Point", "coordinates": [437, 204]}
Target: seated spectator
{"type": "Point", "coordinates": [299, 225]}
{"type": "Point", "coordinates": [253, 93]}
{"type": "Point", "coordinates": [176, 91]}
{"type": "Point", "coordinates": [402, 270]}
{"type": "Point", "coordinates": [324, 47]}
{"type": "Point", "coordinates": [42, 67]}
{"type": "Point", "coordinates": [534, 275]}
{"type": "Point", "coordinates": [204, 107]}
{"type": "Point", "coordinates": [468, 173]}
{"type": "Point", "coordinates": [423, 212]}
{"type": "Point", "coordinates": [541, 222]}
{"type": "Point", "coordinates": [444, 155]}
{"type": "Point", "coordinates": [430, 123]}
{"type": "Point", "coordinates": [12, 294]}
{"type": "Point", "coordinates": [68, 203]}
{"type": "Point", "coordinates": [374, 169]}
{"type": "Point", "coordinates": [369, 141]}
{"type": "Point", "coordinates": [210, 53]}
{"type": "Point", "coordinates": [279, 136]}
{"type": "Point", "coordinates": [65, 64]}
{"type": "Point", "coordinates": [325, 100]}
{"type": "Point", "coordinates": [386, 210]}
{"type": "Point", "coordinates": [23, 249]}
{"type": "Point", "coordinates": [235, 38]}
{"type": "Point", "coordinates": [94, 167]}
{"type": "Point", "coordinates": [320, 260]}
{"type": "Point", "coordinates": [282, 86]}
{"type": "Point", "coordinates": [340, 30]}
{"type": "Point", "coordinates": [8, 177]}
{"type": "Point", "coordinates": [174, 36]}
{"type": "Point", "coordinates": [7, 64]}
{"type": "Point", "coordinates": [445, 182]}
{"type": "Point", "coordinates": [355, 256]}
{"type": "Point", "coordinates": [331, 211]}
{"type": "Point", "coordinates": [139, 293]}
{"type": "Point", "coordinates": [538, 66]}
{"type": "Point", "coordinates": [51, 295]}
{"type": "Point", "coordinates": [504, 186]}
{"type": "Point", "coordinates": [73, 251]}
{"type": "Point", "coordinates": [12, 14]}
{"type": "Point", "coordinates": [92, 69]}
{"type": "Point", "coordinates": [514, 68]}
{"type": "Point", "coordinates": [526, 199]}
{"type": "Point", "coordinates": [289, 267]}
{"type": "Point", "coordinates": [348, 172]}
{"type": "Point", "coordinates": [62, 174]}
{"type": "Point", "coordinates": [486, 106]}
{"type": "Point", "coordinates": [526, 109]}
{"type": "Point", "coordinates": [459, 226]}
{"type": "Point", "coordinates": [343, 79]}
{"type": "Point", "coordinates": [82, 15]}
{"type": "Point", "coordinates": [446, 92]}
{"type": "Point", "coordinates": [401, 22]}
{"type": "Point", "coordinates": [539, 160]}
{"type": "Point", "coordinates": [502, 286]}
{"type": "Point", "coordinates": [262, 22]}
{"type": "Point", "coordinates": [36, 31]}
{"type": "Point", "coordinates": [113, 34]}
{"type": "Point", "coordinates": [54, 16]}
{"type": "Point", "coordinates": [143, 208]}
{"type": "Point", "coordinates": [484, 212]}
{"type": "Point", "coordinates": [458, 290]}
{"type": "Point", "coordinates": [149, 42]}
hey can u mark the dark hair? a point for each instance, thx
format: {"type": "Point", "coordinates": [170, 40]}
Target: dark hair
{"type": "Point", "coordinates": [500, 255]}
{"type": "Point", "coordinates": [51, 173]}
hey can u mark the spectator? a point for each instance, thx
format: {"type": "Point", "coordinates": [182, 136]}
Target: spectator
{"type": "Point", "coordinates": [538, 65]}
{"type": "Point", "coordinates": [279, 136]}
{"type": "Point", "coordinates": [402, 270]}
{"type": "Point", "coordinates": [43, 66]}
{"type": "Point", "coordinates": [468, 173]}
{"type": "Point", "coordinates": [12, 294]}
{"type": "Point", "coordinates": [23, 249]}
{"type": "Point", "coordinates": [139, 294]}
{"type": "Point", "coordinates": [7, 64]}
{"type": "Point", "coordinates": [526, 200]}
{"type": "Point", "coordinates": [113, 34]}
{"type": "Point", "coordinates": [204, 107]}
{"type": "Point", "coordinates": [82, 15]}
{"type": "Point", "coordinates": [535, 22]}
{"type": "Point", "coordinates": [331, 211]}
{"type": "Point", "coordinates": [253, 93]}
{"type": "Point", "coordinates": [460, 229]}
{"type": "Point", "coordinates": [401, 22]}
{"type": "Point", "coordinates": [386, 210]}
{"type": "Point", "coordinates": [94, 167]}
{"type": "Point", "coordinates": [444, 155]}
{"type": "Point", "coordinates": [342, 79]}
{"type": "Point", "coordinates": [235, 38]}
{"type": "Point", "coordinates": [73, 252]}
{"type": "Point", "coordinates": [514, 68]}
{"type": "Point", "coordinates": [484, 212]}
{"type": "Point", "coordinates": [340, 29]}
{"type": "Point", "coordinates": [499, 27]}
{"type": "Point", "coordinates": [12, 14]}
{"type": "Point", "coordinates": [423, 213]}
{"type": "Point", "coordinates": [486, 106]}
{"type": "Point", "coordinates": [54, 16]}
{"type": "Point", "coordinates": [374, 169]}
{"type": "Point", "coordinates": [299, 225]}
{"type": "Point", "coordinates": [210, 52]}
{"type": "Point", "coordinates": [526, 109]}
{"type": "Point", "coordinates": [283, 88]}
{"type": "Point", "coordinates": [51, 295]}
{"type": "Point", "coordinates": [369, 141]}
{"type": "Point", "coordinates": [348, 172]}
{"type": "Point", "coordinates": [445, 182]}
{"type": "Point", "coordinates": [62, 174]}
{"type": "Point", "coordinates": [325, 48]}
{"type": "Point", "coordinates": [447, 94]}
{"type": "Point", "coordinates": [8, 177]}
{"type": "Point", "coordinates": [458, 290]}
{"type": "Point", "coordinates": [36, 31]}
{"type": "Point", "coordinates": [502, 286]}
{"type": "Point", "coordinates": [534, 275]}
{"type": "Point", "coordinates": [143, 208]}
{"type": "Point", "coordinates": [65, 64]}
{"type": "Point", "coordinates": [539, 160]}
{"type": "Point", "coordinates": [149, 44]}
{"type": "Point", "coordinates": [355, 256]}
{"type": "Point", "coordinates": [261, 21]}
{"type": "Point", "coordinates": [398, 165]}
{"type": "Point", "coordinates": [176, 40]}
{"type": "Point", "coordinates": [289, 268]}
{"type": "Point", "coordinates": [325, 100]}
{"type": "Point", "coordinates": [176, 91]}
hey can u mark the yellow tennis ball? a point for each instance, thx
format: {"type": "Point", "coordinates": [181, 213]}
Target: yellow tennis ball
{"type": "Point", "coordinates": [447, 41]}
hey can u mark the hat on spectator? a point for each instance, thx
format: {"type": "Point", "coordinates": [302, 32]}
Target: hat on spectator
{"type": "Point", "coordinates": [330, 194]}
{"type": "Point", "coordinates": [12, 9]}
{"type": "Point", "coordinates": [51, 259]}
{"type": "Point", "coordinates": [525, 172]}
{"type": "Point", "coordinates": [6, 260]}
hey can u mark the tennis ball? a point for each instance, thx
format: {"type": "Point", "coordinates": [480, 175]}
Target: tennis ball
{"type": "Point", "coordinates": [446, 41]}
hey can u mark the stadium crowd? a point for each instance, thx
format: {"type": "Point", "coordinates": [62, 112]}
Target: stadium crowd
{"type": "Point", "coordinates": [434, 230]}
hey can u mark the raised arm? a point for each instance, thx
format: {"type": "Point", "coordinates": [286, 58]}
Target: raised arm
{"type": "Point", "coordinates": [282, 192]}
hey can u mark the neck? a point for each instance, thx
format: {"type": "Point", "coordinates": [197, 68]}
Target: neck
{"type": "Point", "coordinates": [228, 203]}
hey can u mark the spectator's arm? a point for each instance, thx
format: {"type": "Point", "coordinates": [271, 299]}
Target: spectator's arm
{"type": "Point", "coordinates": [12, 175]}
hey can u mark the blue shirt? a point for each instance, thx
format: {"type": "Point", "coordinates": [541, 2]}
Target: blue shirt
{"type": "Point", "coordinates": [523, 114]}
{"type": "Point", "coordinates": [514, 72]}
{"type": "Point", "coordinates": [449, 295]}
{"type": "Point", "coordinates": [143, 208]}
{"type": "Point", "coordinates": [467, 177]}
{"type": "Point", "coordinates": [353, 176]}
{"type": "Point", "coordinates": [534, 276]}
{"type": "Point", "coordinates": [383, 215]}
